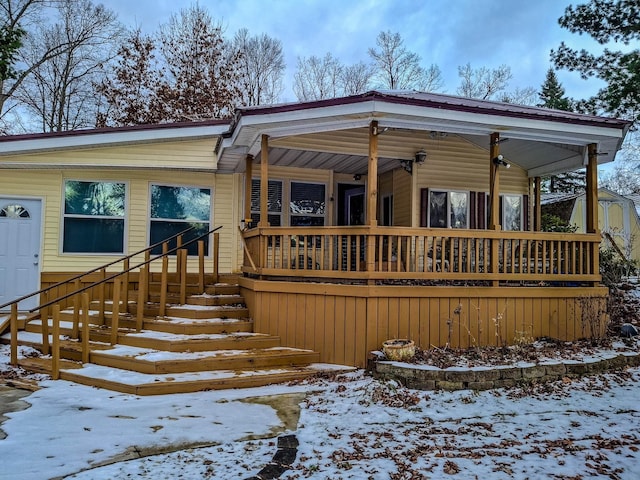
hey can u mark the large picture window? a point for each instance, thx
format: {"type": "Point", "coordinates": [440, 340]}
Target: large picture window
{"type": "Point", "coordinates": [307, 204]}
{"type": "Point", "coordinates": [93, 217]}
{"type": "Point", "coordinates": [174, 209]}
{"type": "Point", "coordinates": [274, 203]}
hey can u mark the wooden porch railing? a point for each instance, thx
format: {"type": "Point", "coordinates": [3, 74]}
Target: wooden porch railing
{"type": "Point", "coordinates": [422, 254]}
{"type": "Point", "coordinates": [121, 287]}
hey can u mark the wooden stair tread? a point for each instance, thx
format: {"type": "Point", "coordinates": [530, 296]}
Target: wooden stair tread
{"type": "Point", "coordinates": [159, 384]}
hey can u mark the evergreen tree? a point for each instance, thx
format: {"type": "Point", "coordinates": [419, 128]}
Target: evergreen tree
{"type": "Point", "coordinates": [607, 22]}
{"type": "Point", "coordinates": [552, 96]}
{"type": "Point", "coordinates": [552, 93]}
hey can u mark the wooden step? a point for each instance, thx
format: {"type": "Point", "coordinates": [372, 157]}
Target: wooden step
{"type": "Point", "coordinates": [202, 326]}
{"type": "Point", "coordinates": [69, 349]}
{"type": "Point", "coordinates": [215, 300]}
{"type": "Point", "coordinates": [159, 384]}
{"type": "Point", "coordinates": [170, 342]}
{"type": "Point", "coordinates": [152, 361]}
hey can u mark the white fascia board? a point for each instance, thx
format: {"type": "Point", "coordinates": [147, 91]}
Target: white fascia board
{"type": "Point", "coordinates": [511, 126]}
{"type": "Point", "coordinates": [103, 139]}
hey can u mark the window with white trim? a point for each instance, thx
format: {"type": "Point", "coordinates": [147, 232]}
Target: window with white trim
{"type": "Point", "coordinates": [177, 208]}
{"type": "Point", "coordinates": [307, 203]}
{"type": "Point", "coordinates": [93, 217]}
{"type": "Point", "coordinates": [448, 209]}
{"type": "Point", "coordinates": [274, 202]}
{"type": "Point", "coordinates": [512, 211]}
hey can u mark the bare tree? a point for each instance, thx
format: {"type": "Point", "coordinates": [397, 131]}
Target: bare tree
{"type": "Point", "coordinates": [483, 83]}
{"type": "Point", "coordinates": [317, 78]}
{"type": "Point", "coordinates": [261, 63]}
{"type": "Point", "coordinates": [21, 15]}
{"type": "Point", "coordinates": [60, 91]}
{"type": "Point", "coordinates": [399, 69]}
{"type": "Point", "coordinates": [356, 78]}
{"type": "Point", "coordinates": [521, 96]}
{"type": "Point", "coordinates": [202, 74]}
{"type": "Point", "coordinates": [130, 93]}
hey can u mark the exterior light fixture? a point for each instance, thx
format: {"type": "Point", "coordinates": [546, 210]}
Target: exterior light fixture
{"type": "Point", "coordinates": [499, 160]}
{"type": "Point", "coordinates": [421, 156]}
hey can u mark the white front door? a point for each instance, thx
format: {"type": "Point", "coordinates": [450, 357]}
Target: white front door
{"type": "Point", "coordinates": [19, 250]}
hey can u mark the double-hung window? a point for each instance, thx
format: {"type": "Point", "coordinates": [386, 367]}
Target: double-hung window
{"type": "Point", "coordinates": [175, 209]}
{"type": "Point", "coordinates": [93, 217]}
{"type": "Point", "coordinates": [512, 211]}
{"type": "Point", "coordinates": [307, 204]}
{"type": "Point", "coordinates": [274, 202]}
{"type": "Point", "coordinates": [448, 209]}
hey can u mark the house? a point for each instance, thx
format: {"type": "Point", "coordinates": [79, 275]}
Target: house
{"type": "Point", "coordinates": [348, 221]}
{"type": "Point", "coordinates": [617, 217]}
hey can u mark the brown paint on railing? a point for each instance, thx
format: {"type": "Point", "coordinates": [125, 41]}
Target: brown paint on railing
{"type": "Point", "coordinates": [76, 311]}
{"type": "Point", "coordinates": [102, 295]}
{"type": "Point", "coordinates": [85, 327]}
{"type": "Point", "coordinates": [14, 334]}
{"type": "Point", "coordinates": [142, 296]}
{"type": "Point", "coordinates": [125, 292]}
{"type": "Point", "coordinates": [44, 317]}
{"type": "Point", "coordinates": [201, 265]}
{"type": "Point", "coordinates": [55, 348]}
{"type": "Point", "coordinates": [66, 281]}
{"type": "Point", "coordinates": [163, 286]}
{"type": "Point", "coordinates": [216, 257]}
{"type": "Point", "coordinates": [115, 311]}
{"type": "Point", "coordinates": [183, 276]}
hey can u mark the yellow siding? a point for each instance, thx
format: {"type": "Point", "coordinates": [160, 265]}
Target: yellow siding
{"type": "Point", "coordinates": [402, 207]}
{"type": "Point", "coordinates": [192, 154]}
{"type": "Point", "coordinates": [454, 164]}
{"type": "Point", "coordinates": [48, 184]}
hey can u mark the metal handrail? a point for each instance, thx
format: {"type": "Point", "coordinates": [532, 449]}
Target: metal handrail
{"type": "Point", "coordinates": [107, 279]}
{"type": "Point", "coordinates": [84, 274]}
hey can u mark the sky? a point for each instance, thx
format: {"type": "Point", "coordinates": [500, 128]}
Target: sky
{"type": "Point", "coordinates": [447, 33]}
{"type": "Point", "coordinates": [351, 427]}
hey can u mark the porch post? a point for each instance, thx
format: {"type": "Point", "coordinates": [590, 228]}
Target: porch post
{"type": "Point", "coordinates": [372, 195]}
{"type": "Point", "coordinates": [494, 198]}
{"type": "Point", "coordinates": [592, 189]}
{"type": "Point", "coordinates": [247, 189]}
{"type": "Point", "coordinates": [592, 207]}
{"type": "Point", "coordinates": [537, 206]}
{"type": "Point", "coordinates": [494, 180]}
{"type": "Point", "coordinates": [372, 175]}
{"type": "Point", "coordinates": [264, 182]}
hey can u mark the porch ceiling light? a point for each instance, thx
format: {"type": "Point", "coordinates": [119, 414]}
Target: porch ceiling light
{"type": "Point", "coordinates": [499, 160]}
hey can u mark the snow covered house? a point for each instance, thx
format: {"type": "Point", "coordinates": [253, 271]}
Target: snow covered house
{"type": "Point", "coordinates": [345, 222]}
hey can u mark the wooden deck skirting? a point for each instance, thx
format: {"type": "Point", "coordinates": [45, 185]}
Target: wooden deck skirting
{"type": "Point", "coordinates": [345, 322]}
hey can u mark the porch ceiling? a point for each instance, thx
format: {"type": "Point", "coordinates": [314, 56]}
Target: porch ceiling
{"type": "Point", "coordinates": [334, 134]}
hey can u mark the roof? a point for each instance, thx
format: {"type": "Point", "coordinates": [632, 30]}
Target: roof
{"type": "Point", "coordinates": [540, 140]}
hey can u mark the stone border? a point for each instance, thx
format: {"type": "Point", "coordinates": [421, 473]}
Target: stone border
{"type": "Point", "coordinates": [282, 460]}
{"type": "Point", "coordinates": [488, 377]}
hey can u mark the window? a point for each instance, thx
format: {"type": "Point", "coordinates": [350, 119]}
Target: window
{"type": "Point", "coordinates": [14, 211]}
{"type": "Point", "coordinates": [307, 204]}
{"type": "Point", "coordinates": [274, 203]}
{"type": "Point", "coordinates": [448, 209]}
{"type": "Point", "coordinates": [512, 212]}
{"type": "Point", "coordinates": [174, 209]}
{"type": "Point", "coordinates": [93, 218]}
{"type": "Point", "coordinates": [387, 211]}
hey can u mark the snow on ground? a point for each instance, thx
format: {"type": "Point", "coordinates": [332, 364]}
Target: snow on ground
{"type": "Point", "coordinates": [350, 427]}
